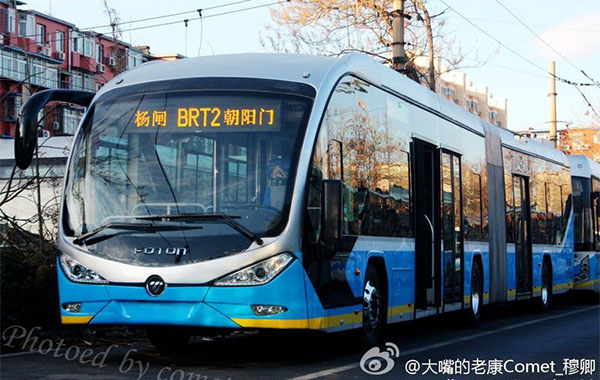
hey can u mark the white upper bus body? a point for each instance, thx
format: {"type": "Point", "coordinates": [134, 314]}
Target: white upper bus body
{"type": "Point", "coordinates": [583, 166]}
{"type": "Point", "coordinates": [323, 74]}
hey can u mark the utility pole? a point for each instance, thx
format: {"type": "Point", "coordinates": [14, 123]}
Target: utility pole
{"type": "Point", "coordinates": [552, 95]}
{"type": "Point", "coordinates": [398, 53]}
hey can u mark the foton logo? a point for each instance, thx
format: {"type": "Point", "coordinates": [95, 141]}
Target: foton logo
{"type": "Point", "coordinates": [155, 285]}
{"type": "Point", "coordinates": [159, 251]}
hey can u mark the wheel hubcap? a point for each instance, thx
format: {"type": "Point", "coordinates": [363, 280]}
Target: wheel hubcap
{"type": "Point", "coordinates": [371, 308]}
{"type": "Point", "coordinates": [475, 302]}
{"type": "Point", "coordinates": [475, 295]}
{"type": "Point", "coordinates": [545, 294]}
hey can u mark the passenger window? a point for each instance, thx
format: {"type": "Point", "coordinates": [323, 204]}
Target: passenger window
{"type": "Point", "coordinates": [359, 144]}
{"type": "Point", "coordinates": [538, 212]}
{"type": "Point", "coordinates": [473, 207]}
{"type": "Point", "coordinates": [555, 213]}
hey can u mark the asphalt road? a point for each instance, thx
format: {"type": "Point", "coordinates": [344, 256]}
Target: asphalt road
{"type": "Point", "coordinates": [509, 338]}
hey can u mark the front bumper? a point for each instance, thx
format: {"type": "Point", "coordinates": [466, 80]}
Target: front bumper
{"type": "Point", "coordinates": [199, 306]}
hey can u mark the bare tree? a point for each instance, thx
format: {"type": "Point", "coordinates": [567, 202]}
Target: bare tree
{"type": "Point", "coordinates": [118, 52]}
{"type": "Point", "coordinates": [22, 190]}
{"type": "Point", "coordinates": [334, 27]}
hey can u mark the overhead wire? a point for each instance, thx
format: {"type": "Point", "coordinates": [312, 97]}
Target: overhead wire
{"type": "Point", "coordinates": [161, 17]}
{"type": "Point", "coordinates": [546, 43]}
{"type": "Point", "coordinates": [560, 79]}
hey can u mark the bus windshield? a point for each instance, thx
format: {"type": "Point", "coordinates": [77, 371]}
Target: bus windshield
{"type": "Point", "coordinates": [223, 161]}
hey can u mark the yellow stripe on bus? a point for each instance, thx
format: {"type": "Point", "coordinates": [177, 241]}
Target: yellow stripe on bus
{"type": "Point", "coordinates": [400, 309]}
{"type": "Point", "coordinates": [68, 320]}
{"type": "Point", "coordinates": [313, 323]}
{"type": "Point", "coordinates": [586, 284]}
{"type": "Point", "coordinates": [561, 286]}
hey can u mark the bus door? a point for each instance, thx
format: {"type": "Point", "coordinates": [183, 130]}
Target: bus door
{"type": "Point", "coordinates": [426, 174]}
{"type": "Point", "coordinates": [523, 259]}
{"type": "Point", "coordinates": [452, 236]}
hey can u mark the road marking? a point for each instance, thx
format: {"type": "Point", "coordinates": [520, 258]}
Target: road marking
{"type": "Point", "coordinates": [18, 354]}
{"type": "Point", "coordinates": [331, 371]}
{"type": "Point", "coordinates": [23, 353]}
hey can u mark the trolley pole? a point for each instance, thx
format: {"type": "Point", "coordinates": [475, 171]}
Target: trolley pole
{"type": "Point", "coordinates": [398, 53]}
{"type": "Point", "coordinates": [552, 95]}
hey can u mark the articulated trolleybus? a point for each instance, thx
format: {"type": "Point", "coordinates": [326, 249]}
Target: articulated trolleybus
{"type": "Point", "coordinates": [297, 192]}
{"type": "Point", "coordinates": [586, 214]}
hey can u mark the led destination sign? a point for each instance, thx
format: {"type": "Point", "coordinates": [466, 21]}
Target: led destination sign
{"type": "Point", "coordinates": [210, 118]}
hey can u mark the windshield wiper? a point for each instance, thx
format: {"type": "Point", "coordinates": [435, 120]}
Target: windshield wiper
{"type": "Point", "coordinates": [129, 227]}
{"type": "Point", "coordinates": [218, 217]}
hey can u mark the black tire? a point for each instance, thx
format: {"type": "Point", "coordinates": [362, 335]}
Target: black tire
{"type": "Point", "coordinates": [476, 299]}
{"type": "Point", "coordinates": [545, 299]}
{"type": "Point", "coordinates": [374, 308]}
{"type": "Point", "coordinates": [168, 339]}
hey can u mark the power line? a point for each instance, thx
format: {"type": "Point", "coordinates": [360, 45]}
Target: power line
{"type": "Point", "coordinates": [574, 84]}
{"type": "Point", "coordinates": [209, 16]}
{"type": "Point", "coordinates": [534, 25]}
{"type": "Point", "coordinates": [546, 43]}
{"type": "Point", "coordinates": [154, 18]}
{"type": "Point", "coordinates": [514, 51]}
{"type": "Point", "coordinates": [164, 16]}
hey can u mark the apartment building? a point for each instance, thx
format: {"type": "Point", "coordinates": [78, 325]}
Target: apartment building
{"type": "Point", "coordinates": [455, 86]}
{"type": "Point", "coordinates": [571, 139]}
{"type": "Point", "coordinates": [38, 51]}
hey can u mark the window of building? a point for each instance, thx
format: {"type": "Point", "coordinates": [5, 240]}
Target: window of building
{"type": "Point", "coordinates": [70, 120]}
{"type": "Point", "coordinates": [88, 48]}
{"type": "Point", "coordinates": [60, 41]}
{"type": "Point", "coordinates": [51, 78]}
{"type": "Point", "coordinates": [12, 65]}
{"type": "Point", "coordinates": [77, 42]}
{"type": "Point", "coordinates": [449, 92]}
{"type": "Point", "coordinates": [37, 74]}
{"type": "Point", "coordinates": [12, 105]}
{"type": "Point", "coordinates": [89, 84]}
{"type": "Point", "coordinates": [11, 20]}
{"type": "Point", "coordinates": [26, 25]}
{"type": "Point", "coordinates": [597, 138]}
{"type": "Point", "coordinates": [134, 59]}
{"type": "Point", "coordinates": [77, 81]}
{"type": "Point", "coordinates": [99, 53]}
{"type": "Point", "coordinates": [40, 34]}
{"type": "Point", "coordinates": [473, 106]}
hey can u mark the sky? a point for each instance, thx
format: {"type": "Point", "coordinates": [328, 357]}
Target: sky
{"type": "Point", "coordinates": [572, 28]}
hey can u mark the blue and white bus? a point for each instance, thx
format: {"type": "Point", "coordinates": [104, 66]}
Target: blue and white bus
{"type": "Point", "coordinates": [586, 213]}
{"type": "Point", "coordinates": [297, 192]}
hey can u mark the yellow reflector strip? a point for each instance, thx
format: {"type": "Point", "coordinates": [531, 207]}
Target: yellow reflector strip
{"type": "Point", "coordinates": [313, 323]}
{"type": "Point", "coordinates": [68, 320]}
{"type": "Point", "coordinates": [586, 284]}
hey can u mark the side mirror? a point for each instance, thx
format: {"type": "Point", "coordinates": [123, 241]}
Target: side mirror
{"type": "Point", "coordinates": [332, 211]}
{"type": "Point", "coordinates": [26, 132]}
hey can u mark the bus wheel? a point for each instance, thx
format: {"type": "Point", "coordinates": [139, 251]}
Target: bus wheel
{"type": "Point", "coordinates": [476, 294]}
{"type": "Point", "coordinates": [168, 339]}
{"type": "Point", "coordinates": [544, 300]}
{"type": "Point", "coordinates": [374, 309]}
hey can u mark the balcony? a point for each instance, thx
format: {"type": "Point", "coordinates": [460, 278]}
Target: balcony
{"type": "Point", "coordinates": [84, 63]}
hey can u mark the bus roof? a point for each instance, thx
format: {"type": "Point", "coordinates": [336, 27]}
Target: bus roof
{"type": "Point", "coordinates": [316, 71]}
{"type": "Point", "coordinates": [583, 166]}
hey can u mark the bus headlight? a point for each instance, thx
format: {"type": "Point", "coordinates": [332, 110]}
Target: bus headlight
{"type": "Point", "coordinates": [78, 273]}
{"type": "Point", "coordinates": [259, 273]}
